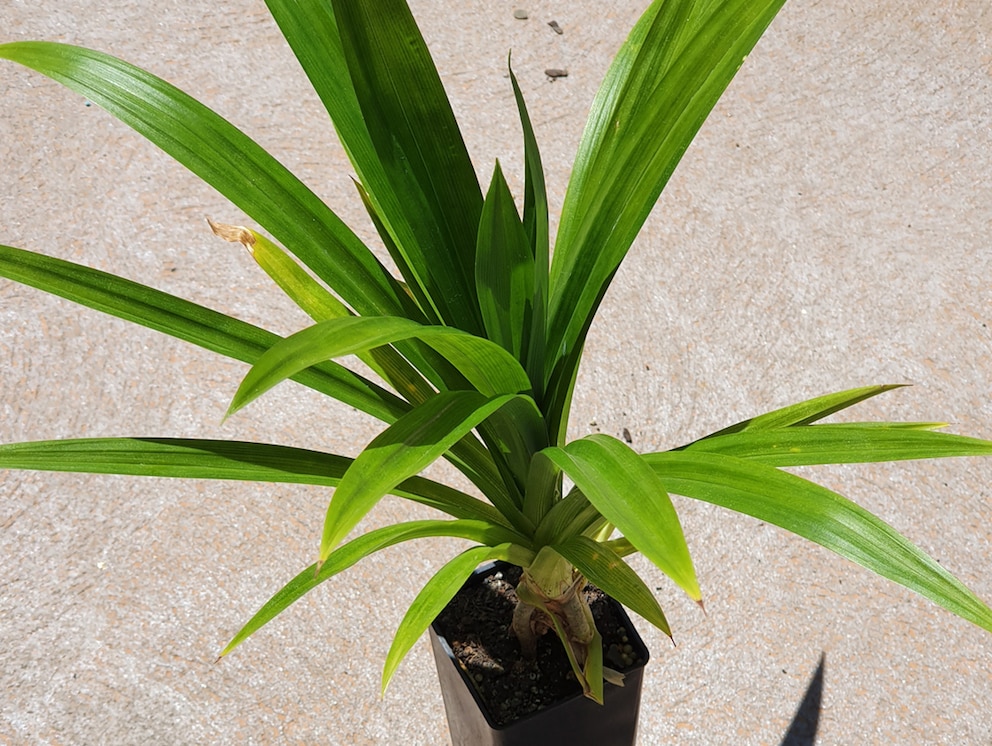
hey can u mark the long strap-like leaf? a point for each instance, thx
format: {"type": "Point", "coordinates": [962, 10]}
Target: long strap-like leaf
{"type": "Point", "coordinates": [189, 322]}
{"type": "Point", "coordinates": [820, 515]}
{"type": "Point", "coordinates": [535, 220]}
{"type": "Point", "coordinates": [606, 569]}
{"type": "Point", "coordinates": [224, 459]}
{"type": "Point", "coordinates": [432, 599]}
{"type": "Point", "coordinates": [432, 185]}
{"type": "Point", "coordinates": [320, 304]}
{"type": "Point", "coordinates": [504, 272]}
{"type": "Point", "coordinates": [629, 495]}
{"type": "Point", "coordinates": [312, 32]}
{"type": "Point", "coordinates": [229, 161]}
{"type": "Point", "coordinates": [405, 448]}
{"type": "Point", "coordinates": [358, 549]}
{"type": "Point", "coordinates": [843, 444]}
{"type": "Point", "coordinates": [486, 365]}
{"type": "Point", "coordinates": [662, 84]}
{"type": "Point", "coordinates": [806, 412]}
{"type": "Point", "coordinates": [220, 333]}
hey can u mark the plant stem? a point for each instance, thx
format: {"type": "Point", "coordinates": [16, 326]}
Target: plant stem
{"type": "Point", "coordinates": [551, 587]}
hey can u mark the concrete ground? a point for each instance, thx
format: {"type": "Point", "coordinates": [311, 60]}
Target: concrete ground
{"type": "Point", "coordinates": [828, 228]}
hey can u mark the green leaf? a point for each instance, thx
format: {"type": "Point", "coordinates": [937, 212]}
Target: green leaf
{"type": "Point", "coordinates": [313, 298]}
{"type": "Point", "coordinates": [420, 149]}
{"type": "Point", "coordinates": [223, 334]}
{"type": "Point", "coordinates": [356, 550]}
{"type": "Point", "coordinates": [189, 322]}
{"type": "Point", "coordinates": [228, 160]}
{"type": "Point", "coordinates": [405, 448]}
{"type": "Point", "coordinates": [664, 81]}
{"type": "Point", "coordinates": [535, 223]}
{"type": "Point", "coordinates": [432, 599]}
{"type": "Point", "coordinates": [432, 365]}
{"type": "Point", "coordinates": [535, 193]}
{"type": "Point", "coordinates": [223, 459]}
{"type": "Point", "coordinates": [820, 515]}
{"type": "Point", "coordinates": [806, 412]}
{"type": "Point", "coordinates": [566, 518]}
{"type": "Point", "coordinates": [843, 444]}
{"type": "Point", "coordinates": [320, 305]}
{"type": "Point", "coordinates": [560, 392]}
{"type": "Point", "coordinates": [513, 435]}
{"type": "Point", "coordinates": [399, 256]}
{"type": "Point", "coordinates": [621, 546]}
{"type": "Point", "coordinates": [486, 365]}
{"type": "Point", "coordinates": [504, 271]}
{"type": "Point", "coordinates": [629, 495]}
{"type": "Point", "coordinates": [593, 671]}
{"type": "Point", "coordinates": [312, 32]}
{"type": "Point", "coordinates": [606, 569]}
{"type": "Point", "coordinates": [543, 491]}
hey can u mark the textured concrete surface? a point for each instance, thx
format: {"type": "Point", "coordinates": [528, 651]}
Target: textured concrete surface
{"type": "Point", "coordinates": [828, 228]}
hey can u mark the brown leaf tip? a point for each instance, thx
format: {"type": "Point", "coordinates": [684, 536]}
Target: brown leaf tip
{"type": "Point", "coordinates": [233, 233]}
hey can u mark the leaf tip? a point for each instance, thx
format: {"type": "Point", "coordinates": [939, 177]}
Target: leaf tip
{"type": "Point", "coordinates": [387, 675]}
{"type": "Point", "coordinates": [230, 411]}
{"type": "Point", "coordinates": [233, 234]}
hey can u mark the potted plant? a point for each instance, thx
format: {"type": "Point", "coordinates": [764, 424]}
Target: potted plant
{"type": "Point", "coordinates": [476, 345]}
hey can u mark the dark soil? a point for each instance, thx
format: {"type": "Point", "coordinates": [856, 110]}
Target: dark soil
{"type": "Point", "coordinates": [477, 623]}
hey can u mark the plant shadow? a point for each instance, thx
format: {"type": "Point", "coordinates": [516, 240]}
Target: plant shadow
{"type": "Point", "coordinates": [802, 730]}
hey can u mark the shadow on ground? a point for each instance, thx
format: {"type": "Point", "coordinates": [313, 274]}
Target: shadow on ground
{"type": "Point", "coordinates": [802, 729]}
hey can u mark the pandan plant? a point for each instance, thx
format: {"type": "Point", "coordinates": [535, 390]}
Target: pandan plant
{"type": "Point", "coordinates": [472, 351]}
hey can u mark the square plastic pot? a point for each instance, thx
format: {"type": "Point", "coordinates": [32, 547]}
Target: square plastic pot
{"type": "Point", "coordinates": [575, 721]}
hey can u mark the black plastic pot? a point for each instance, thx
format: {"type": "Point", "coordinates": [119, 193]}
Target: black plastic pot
{"type": "Point", "coordinates": [575, 721]}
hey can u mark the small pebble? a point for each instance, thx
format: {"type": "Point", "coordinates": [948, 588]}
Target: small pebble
{"type": "Point", "coordinates": [555, 27]}
{"type": "Point", "coordinates": [520, 14]}
{"type": "Point", "coordinates": [554, 73]}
